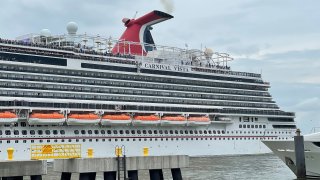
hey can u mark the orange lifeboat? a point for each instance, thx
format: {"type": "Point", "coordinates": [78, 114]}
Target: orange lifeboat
{"type": "Point", "coordinates": [38, 118]}
{"type": "Point", "coordinates": [198, 120]}
{"type": "Point", "coordinates": [8, 117]}
{"type": "Point", "coordinates": [116, 119]}
{"type": "Point", "coordinates": [82, 119]}
{"type": "Point", "coordinates": [146, 119]}
{"type": "Point", "coordinates": [173, 120]}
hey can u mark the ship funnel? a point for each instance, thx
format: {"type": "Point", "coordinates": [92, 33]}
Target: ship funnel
{"type": "Point", "coordinates": [138, 32]}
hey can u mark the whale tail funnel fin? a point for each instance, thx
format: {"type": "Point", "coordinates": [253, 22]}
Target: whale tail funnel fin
{"type": "Point", "coordinates": [137, 38]}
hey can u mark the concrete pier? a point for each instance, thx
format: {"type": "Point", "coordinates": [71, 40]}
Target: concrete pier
{"type": "Point", "coordinates": [17, 169]}
{"type": "Point", "coordinates": [109, 166]}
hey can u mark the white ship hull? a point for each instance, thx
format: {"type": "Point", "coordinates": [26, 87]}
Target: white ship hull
{"type": "Point", "coordinates": [173, 140]}
{"type": "Point", "coordinates": [285, 150]}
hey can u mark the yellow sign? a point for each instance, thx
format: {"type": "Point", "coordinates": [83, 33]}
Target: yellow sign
{"type": "Point", "coordinates": [55, 151]}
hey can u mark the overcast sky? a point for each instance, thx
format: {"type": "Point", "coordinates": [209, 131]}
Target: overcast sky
{"type": "Point", "coordinates": [279, 38]}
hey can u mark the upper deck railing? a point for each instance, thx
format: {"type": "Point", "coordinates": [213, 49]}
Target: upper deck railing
{"type": "Point", "coordinates": [100, 49]}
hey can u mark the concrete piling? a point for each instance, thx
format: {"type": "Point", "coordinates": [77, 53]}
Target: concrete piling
{"type": "Point", "coordinates": [299, 153]}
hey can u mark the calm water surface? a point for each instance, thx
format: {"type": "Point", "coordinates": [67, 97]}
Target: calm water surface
{"type": "Point", "coordinates": [255, 167]}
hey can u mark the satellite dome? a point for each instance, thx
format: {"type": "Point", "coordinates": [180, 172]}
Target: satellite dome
{"type": "Point", "coordinates": [208, 53]}
{"type": "Point", "coordinates": [45, 32]}
{"type": "Point", "coordinates": [72, 28]}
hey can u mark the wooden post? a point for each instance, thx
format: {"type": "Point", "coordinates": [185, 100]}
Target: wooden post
{"type": "Point", "coordinates": [299, 152]}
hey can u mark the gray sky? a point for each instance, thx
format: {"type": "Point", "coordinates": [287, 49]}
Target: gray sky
{"type": "Point", "coordinates": [279, 38]}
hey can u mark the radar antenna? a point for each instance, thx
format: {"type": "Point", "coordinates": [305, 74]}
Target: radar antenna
{"type": "Point", "coordinates": [135, 15]}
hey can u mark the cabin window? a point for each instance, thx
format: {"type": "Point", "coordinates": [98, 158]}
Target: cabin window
{"type": "Point", "coordinates": [8, 132]}
{"type": "Point", "coordinates": [62, 132]}
{"type": "Point", "coordinates": [40, 132]}
{"type": "Point", "coordinates": [76, 131]}
{"type": "Point", "coordinates": [83, 132]}
{"type": "Point", "coordinates": [16, 132]}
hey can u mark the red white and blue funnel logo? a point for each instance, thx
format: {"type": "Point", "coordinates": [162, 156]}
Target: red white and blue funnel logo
{"type": "Point", "coordinates": [138, 31]}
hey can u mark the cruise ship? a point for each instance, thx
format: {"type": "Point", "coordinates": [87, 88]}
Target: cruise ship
{"type": "Point", "coordinates": [102, 93]}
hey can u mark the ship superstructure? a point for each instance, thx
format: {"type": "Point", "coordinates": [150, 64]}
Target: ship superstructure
{"type": "Point", "coordinates": [101, 93]}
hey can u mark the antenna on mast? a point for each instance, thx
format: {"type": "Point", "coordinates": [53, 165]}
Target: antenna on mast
{"type": "Point", "coordinates": [135, 15]}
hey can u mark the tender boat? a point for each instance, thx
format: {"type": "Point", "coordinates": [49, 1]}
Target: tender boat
{"type": "Point", "coordinates": [8, 117]}
{"type": "Point", "coordinates": [168, 120]}
{"type": "Point", "coordinates": [198, 120]}
{"type": "Point", "coordinates": [39, 118]}
{"type": "Point", "coordinates": [285, 150]}
{"type": "Point", "coordinates": [116, 119]}
{"type": "Point", "coordinates": [83, 119]}
{"type": "Point", "coordinates": [146, 119]}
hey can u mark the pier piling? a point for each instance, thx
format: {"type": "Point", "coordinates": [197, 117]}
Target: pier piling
{"type": "Point", "coordinates": [299, 152]}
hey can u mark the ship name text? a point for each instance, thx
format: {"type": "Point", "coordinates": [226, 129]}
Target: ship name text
{"type": "Point", "coordinates": [166, 67]}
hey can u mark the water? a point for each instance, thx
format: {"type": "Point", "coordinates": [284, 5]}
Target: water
{"type": "Point", "coordinates": [245, 167]}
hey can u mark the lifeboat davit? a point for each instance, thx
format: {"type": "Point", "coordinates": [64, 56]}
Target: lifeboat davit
{"type": "Point", "coordinates": [173, 120]}
{"type": "Point", "coordinates": [38, 118]}
{"type": "Point", "coordinates": [8, 117]}
{"type": "Point", "coordinates": [116, 119]}
{"type": "Point", "coordinates": [146, 120]}
{"type": "Point", "coordinates": [198, 120]}
{"type": "Point", "coordinates": [82, 119]}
